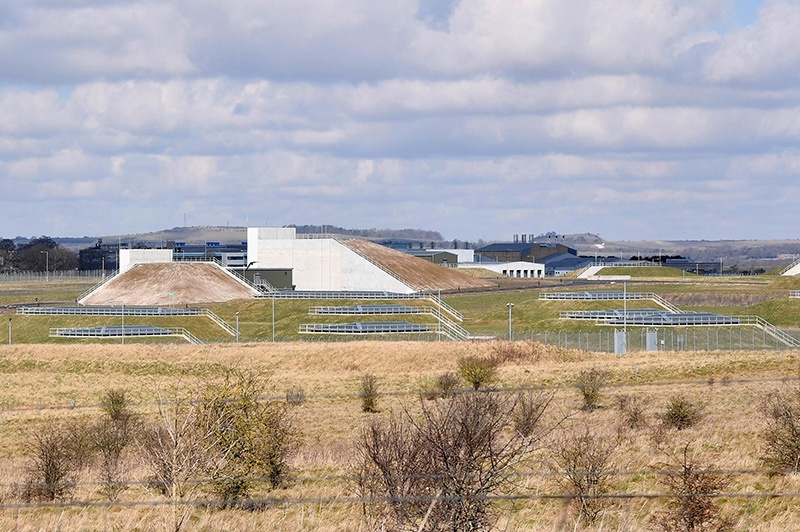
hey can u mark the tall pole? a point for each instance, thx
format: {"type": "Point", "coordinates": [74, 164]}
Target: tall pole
{"type": "Point", "coordinates": [123, 324]}
{"type": "Point", "coordinates": [273, 317]}
{"type": "Point", "coordinates": [510, 331]}
{"type": "Point", "coordinates": [46, 265]}
{"type": "Point", "coordinates": [9, 330]}
{"type": "Point", "coordinates": [625, 314]}
{"type": "Point", "coordinates": [237, 327]}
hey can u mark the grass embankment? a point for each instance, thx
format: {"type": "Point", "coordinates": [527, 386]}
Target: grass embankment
{"type": "Point", "coordinates": [485, 313]}
{"type": "Point", "coordinates": [727, 436]}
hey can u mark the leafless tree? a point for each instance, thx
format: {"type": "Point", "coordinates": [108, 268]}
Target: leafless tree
{"type": "Point", "coordinates": [177, 448]}
{"type": "Point", "coordinates": [582, 459]}
{"type": "Point", "coordinates": [692, 507]}
{"type": "Point", "coordinates": [438, 470]}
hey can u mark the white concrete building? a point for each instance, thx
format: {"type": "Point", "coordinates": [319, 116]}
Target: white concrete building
{"type": "Point", "coordinates": [130, 257]}
{"type": "Point", "coordinates": [318, 263]}
{"type": "Point", "coordinates": [518, 269]}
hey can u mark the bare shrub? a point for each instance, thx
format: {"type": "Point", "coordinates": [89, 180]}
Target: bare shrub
{"type": "Point", "coordinates": [692, 488]}
{"type": "Point", "coordinates": [527, 413]}
{"type": "Point", "coordinates": [112, 438]}
{"type": "Point", "coordinates": [176, 450]}
{"type": "Point", "coordinates": [582, 461]}
{"type": "Point", "coordinates": [590, 384]}
{"type": "Point", "coordinates": [477, 371]}
{"type": "Point", "coordinates": [781, 432]}
{"type": "Point", "coordinates": [295, 396]}
{"type": "Point", "coordinates": [631, 409]}
{"type": "Point", "coordinates": [437, 471]}
{"type": "Point", "coordinates": [369, 393]}
{"type": "Point", "coordinates": [680, 413]}
{"type": "Point", "coordinates": [56, 453]}
{"type": "Point", "coordinates": [440, 386]}
{"type": "Point", "coordinates": [446, 383]}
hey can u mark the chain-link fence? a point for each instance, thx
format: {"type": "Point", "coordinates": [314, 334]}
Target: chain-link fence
{"type": "Point", "coordinates": [662, 339]}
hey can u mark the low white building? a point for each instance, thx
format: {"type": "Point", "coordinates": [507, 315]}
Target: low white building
{"type": "Point", "coordinates": [130, 257]}
{"type": "Point", "coordinates": [518, 269]}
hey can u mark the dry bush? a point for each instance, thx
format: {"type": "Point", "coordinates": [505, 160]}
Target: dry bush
{"type": "Point", "coordinates": [477, 371]}
{"type": "Point", "coordinates": [438, 471]}
{"type": "Point", "coordinates": [443, 385]}
{"type": "Point", "coordinates": [295, 396]}
{"type": "Point", "coordinates": [369, 393]}
{"type": "Point", "coordinates": [527, 413]}
{"type": "Point", "coordinates": [680, 413]}
{"type": "Point", "coordinates": [252, 438]}
{"type": "Point", "coordinates": [112, 439]}
{"type": "Point", "coordinates": [631, 411]}
{"type": "Point", "coordinates": [692, 487]}
{"type": "Point", "coordinates": [56, 452]}
{"type": "Point", "coordinates": [590, 384]}
{"type": "Point", "coordinates": [581, 460]}
{"type": "Point", "coordinates": [781, 432]}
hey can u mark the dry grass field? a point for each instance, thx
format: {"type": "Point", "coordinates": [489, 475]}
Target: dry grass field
{"type": "Point", "coordinates": [40, 382]}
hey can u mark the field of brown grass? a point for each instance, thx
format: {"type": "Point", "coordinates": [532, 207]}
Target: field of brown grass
{"type": "Point", "coordinates": [38, 382]}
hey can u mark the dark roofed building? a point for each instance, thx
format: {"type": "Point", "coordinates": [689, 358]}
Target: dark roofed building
{"type": "Point", "coordinates": [524, 251]}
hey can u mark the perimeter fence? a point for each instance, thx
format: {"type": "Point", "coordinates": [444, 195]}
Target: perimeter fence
{"type": "Point", "coordinates": [53, 276]}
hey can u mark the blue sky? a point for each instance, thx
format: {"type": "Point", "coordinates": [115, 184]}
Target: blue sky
{"type": "Point", "coordinates": [632, 119]}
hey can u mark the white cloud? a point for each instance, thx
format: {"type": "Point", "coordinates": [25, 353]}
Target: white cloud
{"type": "Point", "coordinates": [466, 119]}
{"type": "Point", "coordinates": [769, 50]}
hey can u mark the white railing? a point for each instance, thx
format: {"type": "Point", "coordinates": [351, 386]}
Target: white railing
{"type": "Point", "coordinates": [97, 286]}
{"type": "Point", "coordinates": [794, 294]}
{"type": "Point", "coordinates": [124, 332]}
{"type": "Point", "coordinates": [789, 267]}
{"type": "Point", "coordinates": [111, 311]}
{"type": "Point", "coordinates": [778, 334]}
{"type": "Point", "coordinates": [608, 296]}
{"type": "Point", "coordinates": [51, 276]}
{"type": "Point", "coordinates": [372, 261]}
{"type": "Point", "coordinates": [219, 321]}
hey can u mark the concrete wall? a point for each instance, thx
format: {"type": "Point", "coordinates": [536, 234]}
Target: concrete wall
{"type": "Point", "coordinates": [129, 257]}
{"type": "Point", "coordinates": [319, 263]}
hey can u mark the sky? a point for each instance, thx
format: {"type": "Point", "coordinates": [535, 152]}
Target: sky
{"type": "Point", "coordinates": [480, 119]}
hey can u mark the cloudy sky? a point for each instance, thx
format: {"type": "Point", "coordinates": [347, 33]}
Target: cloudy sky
{"type": "Point", "coordinates": [633, 119]}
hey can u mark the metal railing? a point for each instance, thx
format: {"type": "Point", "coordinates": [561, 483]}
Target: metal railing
{"type": "Point", "coordinates": [789, 267]}
{"type": "Point", "coordinates": [97, 286]}
{"type": "Point", "coordinates": [110, 311]}
{"type": "Point", "coordinates": [365, 295]}
{"type": "Point", "coordinates": [608, 296]}
{"type": "Point", "coordinates": [51, 276]}
{"type": "Point", "coordinates": [264, 286]}
{"type": "Point", "coordinates": [367, 310]}
{"type": "Point", "coordinates": [770, 329]}
{"type": "Point", "coordinates": [372, 261]}
{"type": "Point", "coordinates": [124, 332]}
{"type": "Point", "coordinates": [219, 321]}
{"type": "Point", "coordinates": [794, 294]}
{"type": "Point", "coordinates": [163, 312]}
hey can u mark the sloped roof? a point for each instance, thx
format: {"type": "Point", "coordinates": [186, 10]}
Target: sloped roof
{"type": "Point", "coordinates": [421, 275]}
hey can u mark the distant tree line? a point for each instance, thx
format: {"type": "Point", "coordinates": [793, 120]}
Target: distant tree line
{"type": "Point", "coordinates": [36, 255]}
{"type": "Point", "coordinates": [416, 234]}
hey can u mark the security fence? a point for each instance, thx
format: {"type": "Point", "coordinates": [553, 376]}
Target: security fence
{"type": "Point", "coordinates": [731, 338]}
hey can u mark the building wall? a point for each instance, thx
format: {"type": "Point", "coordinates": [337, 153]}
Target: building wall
{"type": "Point", "coordinates": [318, 263]}
{"type": "Point", "coordinates": [129, 257]}
{"type": "Point", "coordinates": [518, 269]}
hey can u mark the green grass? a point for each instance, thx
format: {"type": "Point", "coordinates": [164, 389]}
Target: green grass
{"type": "Point", "coordinates": [648, 272]}
{"type": "Point", "coordinates": [485, 313]}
